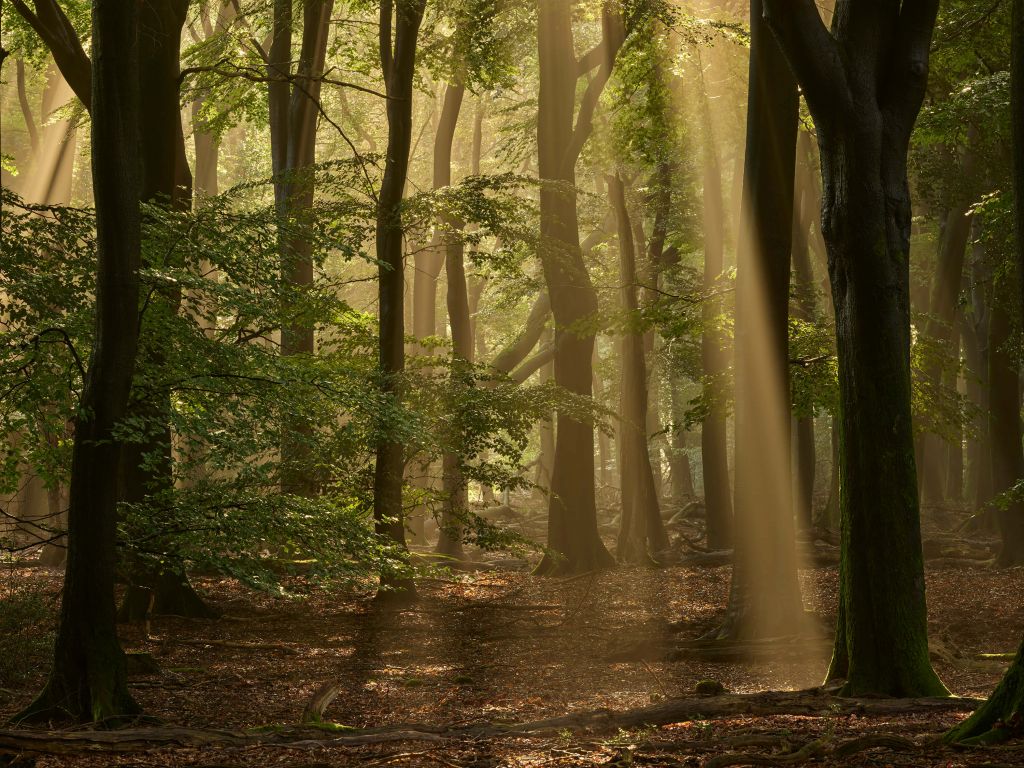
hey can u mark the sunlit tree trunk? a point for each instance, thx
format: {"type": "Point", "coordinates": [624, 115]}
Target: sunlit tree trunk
{"type": "Point", "coordinates": [714, 353]}
{"type": "Point", "coordinates": [865, 100]}
{"type": "Point", "coordinates": [641, 531]}
{"type": "Point", "coordinates": [572, 514]}
{"type": "Point", "coordinates": [88, 681]}
{"type": "Point", "coordinates": [456, 496]}
{"type": "Point", "coordinates": [764, 598]}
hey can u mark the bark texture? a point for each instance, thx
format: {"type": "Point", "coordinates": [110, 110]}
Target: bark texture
{"type": "Point", "coordinates": [88, 681]}
{"type": "Point", "coordinates": [864, 83]}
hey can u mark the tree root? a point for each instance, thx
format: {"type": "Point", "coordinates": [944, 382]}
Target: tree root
{"type": "Point", "coordinates": [813, 702]}
{"type": "Point", "coordinates": [816, 750]}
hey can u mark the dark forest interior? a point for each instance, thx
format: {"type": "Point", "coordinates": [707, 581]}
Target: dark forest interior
{"type": "Point", "coordinates": [521, 383]}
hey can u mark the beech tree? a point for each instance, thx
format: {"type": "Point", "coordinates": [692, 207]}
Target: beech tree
{"type": "Point", "coordinates": [562, 131]}
{"type": "Point", "coordinates": [88, 681]}
{"type": "Point", "coordinates": [865, 99]}
{"type": "Point", "coordinates": [399, 29]}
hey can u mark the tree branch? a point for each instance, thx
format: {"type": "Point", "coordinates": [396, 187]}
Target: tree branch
{"type": "Point", "coordinates": [813, 55]}
{"type": "Point", "coordinates": [613, 35]}
{"type": "Point", "coordinates": [55, 29]}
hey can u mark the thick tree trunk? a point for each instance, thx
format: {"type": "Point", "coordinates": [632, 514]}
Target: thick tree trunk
{"type": "Point", "coordinates": [641, 530]}
{"type": "Point", "coordinates": [714, 355]}
{"type": "Point", "coordinates": [764, 599]}
{"type": "Point", "coordinates": [865, 100]}
{"type": "Point", "coordinates": [398, 62]}
{"type": "Point", "coordinates": [88, 681]}
{"type": "Point", "coordinates": [573, 538]}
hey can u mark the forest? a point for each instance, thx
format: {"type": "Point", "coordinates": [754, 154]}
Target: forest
{"type": "Point", "coordinates": [482, 383]}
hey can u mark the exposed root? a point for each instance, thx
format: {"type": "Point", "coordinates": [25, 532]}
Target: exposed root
{"type": "Point", "coordinates": [816, 750]}
{"type": "Point", "coordinates": [812, 702]}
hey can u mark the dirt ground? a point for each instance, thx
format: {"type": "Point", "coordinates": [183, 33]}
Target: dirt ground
{"type": "Point", "coordinates": [504, 646]}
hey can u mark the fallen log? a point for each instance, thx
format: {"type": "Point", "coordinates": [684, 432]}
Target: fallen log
{"type": "Point", "coordinates": [812, 702]}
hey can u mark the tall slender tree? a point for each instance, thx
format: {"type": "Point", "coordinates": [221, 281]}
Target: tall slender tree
{"type": "Point", "coordinates": [864, 82]}
{"type": "Point", "coordinates": [399, 29]}
{"type": "Point", "coordinates": [641, 531]}
{"type": "Point", "coordinates": [714, 448]}
{"type": "Point", "coordinates": [88, 681]}
{"type": "Point", "coordinates": [764, 599]}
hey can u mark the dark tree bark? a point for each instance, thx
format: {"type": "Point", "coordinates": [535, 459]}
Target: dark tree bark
{"type": "Point", "coordinates": [764, 599]}
{"type": "Point", "coordinates": [572, 511]}
{"type": "Point", "coordinates": [398, 62]}
{"type": "Point", "coordinates": [1004, 419]}
{"type": "Point", "coordinates": [147, 467]}
{"type": "Point", "coordinates": [641, 530]}
{"type": "Point", "coordinates": [999, 718]}
{"type": "Point", "coordinates": [864, 83]}
{"type": "Point", "coordinates": [88, 681]}
{"type": "Point", "coordinates": [165, 179]}
{"type": "Point", "coordinates": [714, 353]}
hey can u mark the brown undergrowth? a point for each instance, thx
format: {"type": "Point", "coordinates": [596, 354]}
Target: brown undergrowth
{"type": "Point", "coordinates": [504, 647]}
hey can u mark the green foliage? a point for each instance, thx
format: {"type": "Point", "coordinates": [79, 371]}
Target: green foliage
{"type": "Point", "coordinates": [28, 619]}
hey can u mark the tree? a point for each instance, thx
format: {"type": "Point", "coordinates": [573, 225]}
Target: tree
{"type": "Point", "coordinates": [641, 531]}
{"type": "Point", "coordinates": [572, 510]}
{"type": "Point", "coordinates": [714, 449]}
{"type": "Point", "coordinates": [88, 681]}
{"type": "Point", "coordinates": [764, 599]}
{"type": "Point", "coordinates": [398, 60]}
{"type": "Point", "coordinates": [864, 83]}
{"type": "Point", "coordinates": [294, 102]}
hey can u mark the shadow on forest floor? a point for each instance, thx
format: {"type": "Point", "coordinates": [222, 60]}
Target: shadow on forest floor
{"type": "Point", "coordinates": [508, 647]}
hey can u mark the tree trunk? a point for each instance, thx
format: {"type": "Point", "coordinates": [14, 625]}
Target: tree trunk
{"type": "Point", "coordinates": [88, 681]}
{"type": "Point", "coordinates": [865, 100]}
{"type": "Point", "coordinates": [641, 530]}
{"type": "Point", "coordinates": [456, 496]}
{"type": "Point", "coordinates": [764, 599]}
{"type": "Point", "coordinates": [1004, 420]}
{"type": "Point", "coordinates": [573, 539]}
{"type": "Point", "coordinates": [398, 62]}
{"type": "Point", "coordinates": [714, 354]}
{"type": "Point", "coordinates": [976, 353]}
{"type": "Point", "coordinates": [999, 719]}
{"type": "Point", "coordinates": [941, 326]}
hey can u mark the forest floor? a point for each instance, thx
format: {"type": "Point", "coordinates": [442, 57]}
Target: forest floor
{"type": "Point", "coordinates": [501, 646]}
